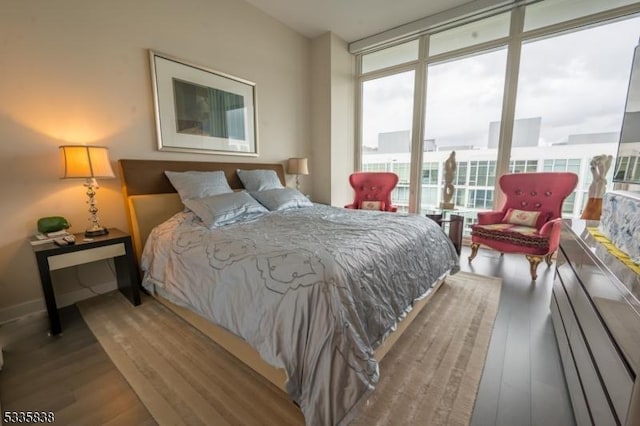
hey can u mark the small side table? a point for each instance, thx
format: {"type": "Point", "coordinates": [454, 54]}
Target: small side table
{"type": "Point", "coordinates": [116, 244]}
{"type": "Point", "coordinates": [455, 225]}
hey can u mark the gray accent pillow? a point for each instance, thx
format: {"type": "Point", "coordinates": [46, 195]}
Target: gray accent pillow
{"type": "Point", "coordinates": [192, 185]}
{"type": "Point", "coordinates": [281, 199]}
{"type": "Point", "coordinates": [259, 180]}
{"type": "Point", "coordinates": [225, 209]}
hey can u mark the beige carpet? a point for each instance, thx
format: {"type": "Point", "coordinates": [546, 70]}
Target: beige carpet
{"type": "Point", "coordinates": [430, 376]}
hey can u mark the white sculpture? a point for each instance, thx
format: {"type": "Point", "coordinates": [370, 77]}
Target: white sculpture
{"type": "Point", "coordinates": [599, 167]}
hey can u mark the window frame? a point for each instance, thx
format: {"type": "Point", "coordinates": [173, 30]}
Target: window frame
{"type": "Point", "coordinates": [513, 42]}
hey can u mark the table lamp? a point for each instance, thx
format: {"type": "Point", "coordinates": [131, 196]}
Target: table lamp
{"type": "Point", "coordinates": [87, 162]}
{"type": "Point", "coordinates": [297, 166]}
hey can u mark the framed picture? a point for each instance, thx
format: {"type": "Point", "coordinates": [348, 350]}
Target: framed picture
{"type": "Point", "coordinates": [202, 110]}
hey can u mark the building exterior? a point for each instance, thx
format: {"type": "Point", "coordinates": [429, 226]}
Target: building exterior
{"type": "Point", "coordinates": [476, 169]}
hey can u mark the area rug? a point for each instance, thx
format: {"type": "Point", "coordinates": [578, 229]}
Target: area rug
{"type": "Point", "coordinates": [430, 376]}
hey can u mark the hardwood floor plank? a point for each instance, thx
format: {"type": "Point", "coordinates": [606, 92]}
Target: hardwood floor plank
{"type": "Point", "coordinates": [50, 398]}
{"type": "Point", "coordinates": [514, 407]}
{"type": "Point", "coordinates": [522, 381]}
{"type": "Point", "coordinates": [62, 373]}
{"type": "Point", "coordinates": [88, 360]}
{"type": "Point", "coordinates": [517, 371]}
{"type": "Point", "coordinates": [94, 410]}
{"type": "Point", "coordinates": [486, 406]}
{"type": "Point", "coordinates": [514, 403]}
{"type": "Point", "coordinates": [133, 415]}
{"type": "Point", "coordinates": [550, 403]}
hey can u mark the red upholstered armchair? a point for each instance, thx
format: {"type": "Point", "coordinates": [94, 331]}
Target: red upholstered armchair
{"type": "Point", "coordinates": [373, 190]}
{"type": "Point", "coordinates": [529, 222]}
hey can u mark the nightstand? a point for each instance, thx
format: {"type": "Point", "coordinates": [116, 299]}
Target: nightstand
{"type": "Point", "coordinates": [455, 225]}
{"type": "Point", "coordinates": [116, 244]}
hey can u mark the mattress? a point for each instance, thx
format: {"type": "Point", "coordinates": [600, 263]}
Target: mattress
{"type": "Point", "coordinates": [314, 290]}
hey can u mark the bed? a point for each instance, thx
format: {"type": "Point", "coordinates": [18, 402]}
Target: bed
{"type": "Point", "coordinates": [310, 298]}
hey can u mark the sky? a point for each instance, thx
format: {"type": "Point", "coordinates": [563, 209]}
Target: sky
{"type": "Point", "coordinates": [577, 82]}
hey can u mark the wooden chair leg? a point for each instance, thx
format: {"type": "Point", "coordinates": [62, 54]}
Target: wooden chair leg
{"type": "Point", "coordinates": [474, 250]}
{"type": "Point", "coordinates": [547, 259]}
{"type": "Point", "coordinates": [534, 261]}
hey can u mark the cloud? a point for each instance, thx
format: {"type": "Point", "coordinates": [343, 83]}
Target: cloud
{"type": "Point", "coordinates": [577, 83]}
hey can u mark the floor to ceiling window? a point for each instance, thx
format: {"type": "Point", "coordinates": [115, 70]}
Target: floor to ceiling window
{"type": "Point", "coordinates": [573, 87]}
{"type": "Point", "coordinates": [556, 72]}
{"type": "Point", "coordinates": [387, 109]}
{"type": "Point", "coordinates": [464, 103]}
{"type": "Point", "coordinates": [387, 100]}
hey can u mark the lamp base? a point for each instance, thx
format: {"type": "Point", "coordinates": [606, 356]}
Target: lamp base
{"type": "Point", "coordinates": [96, 232]}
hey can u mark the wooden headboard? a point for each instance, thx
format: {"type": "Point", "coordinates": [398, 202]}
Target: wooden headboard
{"type": "Point", "coordinates": [150, 198]}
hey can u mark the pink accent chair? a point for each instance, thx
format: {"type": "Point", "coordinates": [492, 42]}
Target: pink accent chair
{"type": "Point", "coordinates": [529, 221]}
{"type": "Point", "coordinates": [373, 190]}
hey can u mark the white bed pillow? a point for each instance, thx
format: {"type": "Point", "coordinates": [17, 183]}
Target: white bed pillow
{"type": "Point", "coordinates": [191, 185]}
{"type": "Point", "coordinates": [281, 199]}
{"type": "Point", "coordinates": [225, 209]}
{"type": "Point", "coordinates": [259, 180]}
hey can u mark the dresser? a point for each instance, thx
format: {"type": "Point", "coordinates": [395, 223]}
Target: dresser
{"type": "Point", "coordinates": [595, 310]}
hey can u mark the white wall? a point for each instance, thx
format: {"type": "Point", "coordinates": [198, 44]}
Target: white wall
{"type": "Point", "coordinates": [320, 167]}
{"type": "Point", "coordinates": [332, 109]}
{"type": "Point", "coordinates": [342, 121]}
{"type": "Point", "coordinates": [75, 71]}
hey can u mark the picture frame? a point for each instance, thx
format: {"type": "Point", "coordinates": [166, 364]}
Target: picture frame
{"type": "Point", "coordinates": [201, 110]}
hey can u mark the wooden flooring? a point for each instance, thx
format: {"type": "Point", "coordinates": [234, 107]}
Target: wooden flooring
{"type": "Point", "coordinates": [69, 375]}
{"type": "Point", "coordinates": [522, 382]}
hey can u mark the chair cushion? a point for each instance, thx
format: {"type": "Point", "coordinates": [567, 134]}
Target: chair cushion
{"type": "Point", "coordinates": [526, 236]}
{"type": "Point", "coordinates": [530, 218]}
{"type": "Point", "coordinates": [372, 205]}
{"type": "Point", "coordinates": [521, 217]}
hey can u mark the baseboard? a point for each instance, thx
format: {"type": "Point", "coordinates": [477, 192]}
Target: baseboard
{"type": "Point", "coordinates": [12, 313]}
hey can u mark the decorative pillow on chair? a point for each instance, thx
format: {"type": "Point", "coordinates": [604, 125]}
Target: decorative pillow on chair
{"type": "Point", "coordinates": [522, 217]}
{"type": "Point", "coordinates": [372, 205]}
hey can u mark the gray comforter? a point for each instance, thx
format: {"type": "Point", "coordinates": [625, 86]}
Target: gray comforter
{"type": "Point", "coordinates": [313, 290]}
